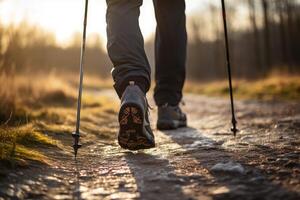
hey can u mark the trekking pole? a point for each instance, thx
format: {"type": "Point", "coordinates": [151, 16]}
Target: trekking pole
{"type": "Point", "coordinates": [76, 134]}
{"type": "Point", "coordinates": [233, 120]}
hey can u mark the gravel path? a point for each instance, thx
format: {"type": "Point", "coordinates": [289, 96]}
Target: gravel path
{"type": "Point", "coordinates": [203, 161]}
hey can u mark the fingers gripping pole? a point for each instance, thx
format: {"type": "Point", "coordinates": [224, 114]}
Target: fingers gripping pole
{"type": "Point", "coordinates": [76, 134]}
{"type": "Point", "coordinates": [233, 120]}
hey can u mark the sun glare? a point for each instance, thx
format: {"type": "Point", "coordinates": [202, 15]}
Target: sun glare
{"type": "Point", "coordinates": [64, 17]}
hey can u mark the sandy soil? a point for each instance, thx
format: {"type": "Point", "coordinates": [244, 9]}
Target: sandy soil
{"type": "Point", "coordinates": [265, 154]}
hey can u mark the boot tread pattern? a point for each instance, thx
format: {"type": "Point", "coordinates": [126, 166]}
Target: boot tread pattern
{"type": "Point", "coordinates": [131, 129]}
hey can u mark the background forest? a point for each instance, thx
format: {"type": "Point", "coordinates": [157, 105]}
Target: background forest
{"type": "Point", "coordinates": [267, 41]}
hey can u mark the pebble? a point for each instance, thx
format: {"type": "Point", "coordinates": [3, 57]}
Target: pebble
{"type": "Point", "coordinates": [30, 182]}
{"type": "Point", "coordinates": [292, 155]}
{"type": "Point", "coordinates": [229, 167]}
{"type": "Point", "coordinates": [271, 159]}
{"type": "Point", "coordinates": [282, 160]}
{"type": "Point", "coordinates": [61, 197]}
{"type": "Point", "coordinates": [248, 139]}
{"type": "Point", "coordinates": [257, 179]}
{"type": "Point", "coordinates": [239, 189]}
{"type": "Point", "coordinates": [103, 172]}
{"type": "Point", "coordinates": [25, 188]}
{"type": "Point", "coordinates": [9, 192]}
{"type": "Point", "coordinates": [122, 195]}
{"type": "Point", "coordinates": [283, 172]}
{"type": "Point", "coordinates": [12, 175]}
{"type": "Point", "coordinates": [293, 181]}
{"type": "Point", "coordinates": [221, 190]}
{"type": "Point", "coordinates": [291, 164]}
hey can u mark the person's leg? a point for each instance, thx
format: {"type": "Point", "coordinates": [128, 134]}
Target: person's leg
{"type": "Point", "coordinates": [125, 45]}
{"type": "Point", "coordinates": [131, 73]}
{"type": "Point", "coordinates": [170, 51]}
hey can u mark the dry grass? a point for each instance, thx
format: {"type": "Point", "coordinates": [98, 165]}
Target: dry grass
{"type": "Point", "coordinates": [21, 99]}
{"type": "Point", "coordinates": [280, 87]}
{"type": "Point", "coordinates": [20, 94]}
{"type": "Point", "coordinates": [40, 111]}
{"type": "Point", "coordinates": [17, 145]}
{"type": "Point", "coordinates": [90, 82]}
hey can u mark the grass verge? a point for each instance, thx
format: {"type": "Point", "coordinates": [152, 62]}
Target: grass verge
{"type": "Point", "coordinates": [21, 98]}
{"type": "Point", "coordinates": [18, 145]}
{"type": "Point", "coordinates": [38, 112]}
{"type": "Point", "coordinates": [274, 87]}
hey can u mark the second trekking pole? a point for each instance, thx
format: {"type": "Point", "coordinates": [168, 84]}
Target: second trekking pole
{"type": "Point", "coordinates": [76, 134]}
{"type": "Point", "coordinates": [233, 120]}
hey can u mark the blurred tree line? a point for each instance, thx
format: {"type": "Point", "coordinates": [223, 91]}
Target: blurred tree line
{"type": "Point", "coordinates": [264, 36]}
{"type": "Point", "coordinates": [266, 39]}
{"type": "Point", "coordinates": [27, 48]}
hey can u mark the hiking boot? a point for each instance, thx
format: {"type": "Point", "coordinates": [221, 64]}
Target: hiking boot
{"type": "Point", "coordinates": [170, 117]}
{"type": "Point", "coordinates": [135, 131]}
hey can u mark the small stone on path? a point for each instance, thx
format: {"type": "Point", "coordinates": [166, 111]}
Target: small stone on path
{"type": "Point", "coordinates": [229, 167]}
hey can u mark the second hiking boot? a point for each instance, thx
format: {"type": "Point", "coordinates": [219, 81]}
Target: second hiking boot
{"type": "Point", "coordinates": [170, 117]}
{"type": "Point", "coordinates": [135, 131]}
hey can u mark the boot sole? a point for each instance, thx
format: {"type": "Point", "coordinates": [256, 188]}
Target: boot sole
{"type": "Point", "coordinates": [131, 120]}
{"type": "Point", "coordinates": [170, 124]}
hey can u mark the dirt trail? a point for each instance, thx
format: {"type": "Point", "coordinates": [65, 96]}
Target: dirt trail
{"type": "Point", "coordinates": [181, 167]}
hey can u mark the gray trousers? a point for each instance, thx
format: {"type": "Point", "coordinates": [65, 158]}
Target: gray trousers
{"type": "Point", "coordinates": [125, 47]}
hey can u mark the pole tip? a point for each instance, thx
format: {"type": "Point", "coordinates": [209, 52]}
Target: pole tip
{"type": "Point", "coordinates": [234, 130]}
{"type": "Point", "coordinates": [76, 144]}
{"type": "Point", "coordinates": [76, 147]}
{"type": "Point", "coordinates": [75, 154]}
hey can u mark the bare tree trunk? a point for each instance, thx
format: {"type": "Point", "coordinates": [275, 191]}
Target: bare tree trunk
{"type": "Point", "coordinates": [265, 5]}
{"type": "Point", "coordinates": [256, 44]}
{"type": "Point", "coordinates": [283, 44]}
{"type": "Point", "coordinates": [236, 71]}
{"type": "Point", "coordinates": [1, 47]}
{"type": "Point", "coordinates": [290, 36]}
{"type": "Point", "coordinates": [216, 48]}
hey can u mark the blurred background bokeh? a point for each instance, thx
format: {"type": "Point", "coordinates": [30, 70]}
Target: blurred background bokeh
{"type": "Point", "coordinates": [45, 36]}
